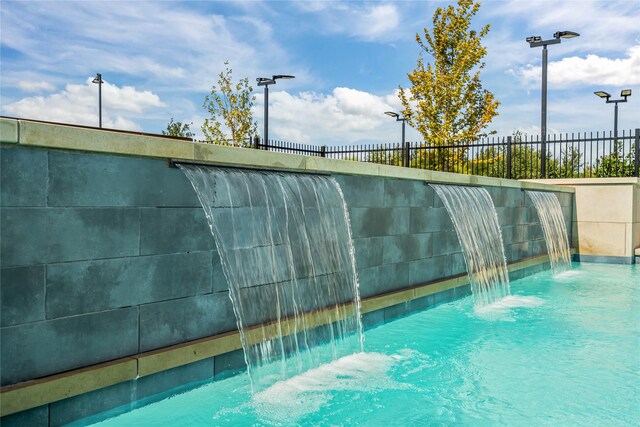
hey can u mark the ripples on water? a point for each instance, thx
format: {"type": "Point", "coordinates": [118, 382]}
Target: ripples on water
{"type": "Point", "coordinates": [569, 354]}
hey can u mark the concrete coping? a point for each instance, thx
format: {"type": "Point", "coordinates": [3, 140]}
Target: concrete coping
{"type": "Point", "coordinates": [68, 137]}
{"type": "Point", "coordinates": [31, 394]}
{"type": "Point", "coordinates": [588, 181]}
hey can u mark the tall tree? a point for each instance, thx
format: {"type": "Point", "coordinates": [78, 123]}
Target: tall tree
{"type": "Point", "coordinates": [446, 102]}
{"type": "Point", "coordinates": [229, 105]}
{"type": "Point", "coordinates": [616, 163]}
{"type": "Point", "coordinates": [180, 129]}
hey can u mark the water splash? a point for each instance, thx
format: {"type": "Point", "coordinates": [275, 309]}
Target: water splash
{"type": "Point", "coordinates": [502, 310]}
{"type": "Point", "coordinates": [554, 228]}
{"type": "Point", "coordinates": [286, 250]}
{"type": "Point", "coordinates": [287, 402]}
{"type": "Point", "coordinates": [476, 222]}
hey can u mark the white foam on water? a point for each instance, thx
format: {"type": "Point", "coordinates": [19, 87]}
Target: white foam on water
{"type": "Point", "coordinates": [291, 399]}
{"type": "Point", "coordinates": [501, 309]}
{"type": "Point", "coordinates": [569, 274]}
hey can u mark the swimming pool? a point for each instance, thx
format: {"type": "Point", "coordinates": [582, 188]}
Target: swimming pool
{"type": "Point", "coordinates": [559, 351]}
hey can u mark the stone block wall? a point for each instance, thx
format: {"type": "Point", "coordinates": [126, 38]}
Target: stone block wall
{"type": "Point", "coordinates": [102, 257]}
{"type": "Point", "coordinates": [106, 256]}
{"type": "Point", "coordinates": [403, 235]}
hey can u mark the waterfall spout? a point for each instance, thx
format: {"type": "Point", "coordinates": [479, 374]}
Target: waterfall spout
{"type": "Point", "coordinates": [554, 229]}
{"type": "Point", "coordinates": [285, 245]}
{"type": "Point", "coordinates": [476, 222]}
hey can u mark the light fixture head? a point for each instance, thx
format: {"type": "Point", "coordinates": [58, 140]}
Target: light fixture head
{"type": "Point", "coordinates": [533, 39]}
{"type": "Point", "coordinates": [283, 76]}
{"type": "Point", "coordinates": [263, 81]}
{"type": "Point", "coordinates": [625, 93]}
{"type": "Point", "coordinates": [565, 35]}
{"type": "Point", "coordinates": [97, 79]}
{"type": "Point", "coordinates": [602, 94]}
{"type": "Point", "coordinates": [392, 114]}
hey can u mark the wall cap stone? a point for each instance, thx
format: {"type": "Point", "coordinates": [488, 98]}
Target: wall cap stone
{"type": "Point", "coordinates": [83, 138]}
{"type": "Point", "coordinates": [8, 131]}
{"type": "Point", "coordinates": [588, 181]}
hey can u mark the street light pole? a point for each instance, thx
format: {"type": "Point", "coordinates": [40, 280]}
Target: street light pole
{"type": "Point", "coordinates": [265, 81]}
{"type": "Point", "coordinates": [98, 81]}
{"type": "Point", "coordinates": [624, 94]}
{"type": "Point", "coordinates": [615, 123]}
{"type": "Point", "coordinates": [403, 144]}
{"type": "Point", "coordinates": [405, 148]}
{"type": "Point", "coordinates": [536, 41]}
{"type": "Point", "coordinates": [543, 114]}
{"type": "Point", "coordinates": [266, 115]}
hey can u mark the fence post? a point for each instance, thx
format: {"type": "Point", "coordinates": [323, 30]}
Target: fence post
{"type": "Point", "coordinates": [323, 151]}
{"type": "Point", "coordinates": [405, 155]}
{"type": "Point", "coordinates": [509, 157]}
{"type": "Point", "coordinates": [637, 160]}
{"type": "Point", "coordinates": [256, 142]}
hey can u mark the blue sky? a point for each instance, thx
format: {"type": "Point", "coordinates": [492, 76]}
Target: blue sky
{"type": "Point", "coordinates": [159, 59]}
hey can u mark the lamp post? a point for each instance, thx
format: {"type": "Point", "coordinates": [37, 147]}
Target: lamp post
{"type": "Point", "coordinates": [405, 148]}
{"type": "Point", "coordinates": [624, 94]}
{"type": "Point", "coordinates": [98, 81]}
{"type": "Point", "coordinates": [536, 41]}
{"type": "Point", "coordinates": [266, 81]}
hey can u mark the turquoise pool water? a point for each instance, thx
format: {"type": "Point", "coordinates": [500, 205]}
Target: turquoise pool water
{"type": "Point", "coordinates": [560, 351]}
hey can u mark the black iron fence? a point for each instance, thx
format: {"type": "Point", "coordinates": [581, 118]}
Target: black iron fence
{"type": "Point", "coordinates": [578, 155]}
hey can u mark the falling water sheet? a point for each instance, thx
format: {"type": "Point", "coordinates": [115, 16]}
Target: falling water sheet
{"type": "Point", "coordinates": [476, 222]}
{"type": "Point", "coordinates": [554, 229]}
{"type": "Point", "coordinates": [285, 245]}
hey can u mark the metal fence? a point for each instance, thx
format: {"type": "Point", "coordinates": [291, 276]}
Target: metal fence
{"type": "Point", "coordinates": [576, 155]}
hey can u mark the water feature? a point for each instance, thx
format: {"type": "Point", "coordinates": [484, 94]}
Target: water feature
{"type": "Point", "coordinates": [286, 251]}
{"type": "Point", "coordinates": [476, 222]}
{"type": "Point", "coordinates": [554, 229]}
{"type": "Point", "coordinates": [571, 359]}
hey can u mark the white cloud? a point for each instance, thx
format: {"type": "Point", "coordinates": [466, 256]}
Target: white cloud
{"type": "Point", "coordinates": [78, 104]}
{"type": "Point", "coordinates": [311, 6]}
{"type": "Point", "coordinates": [172, 45]}
{"type": "Point", "coordinates": [31, 86]}
{"type": "Point", "coordinates": [177, 49]}
{"type": "Point", "coordinates": [591, 70]}
{"type": "Point", "coordinates": [378, 21]}
{"type": "Point", "coordinates": [603, 25]}
{"type": "Point", "coordinates": [346, 116]}
{"type": "Point", "coordinates": [126, 98]}
{"type": "Point", "coordinates": [567, 112]}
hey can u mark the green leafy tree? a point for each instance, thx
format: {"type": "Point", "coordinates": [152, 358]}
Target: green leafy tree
{"type": "Point", "coordinates": [178, 129]}
{"type": "Point", "coordinates": [616, 163]}
{"type": "Point", "coordinates": [434, 157]}
{"type": "Point", "coordinates": [525, 161]}
{"type": "Point", "coordinates": [383, 155]}
{"type": "Point", "coordinates": [568, 165]}
{"type": "Point", "coordinates": [229, 106]}
{"type": "Point", "coordinates": [491, 161]}
{"type": "Point", "coordinates": [446, 102]}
